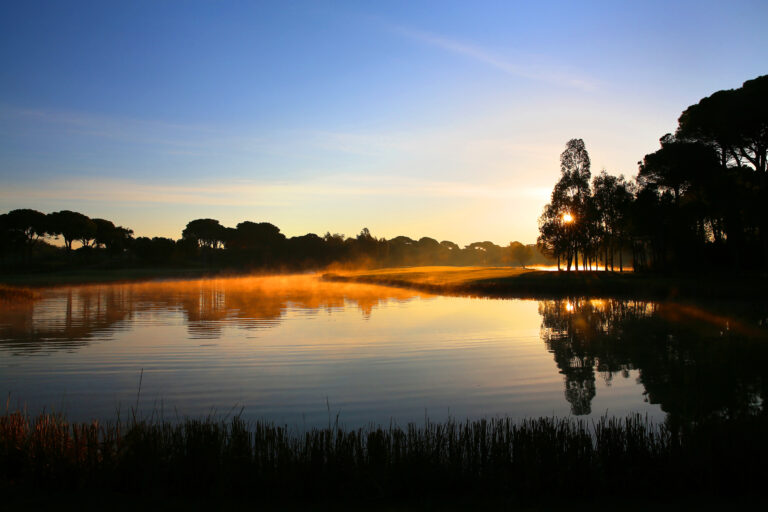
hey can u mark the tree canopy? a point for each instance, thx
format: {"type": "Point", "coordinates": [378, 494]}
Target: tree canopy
{"type": "Point", "coordinates": [698, 201]}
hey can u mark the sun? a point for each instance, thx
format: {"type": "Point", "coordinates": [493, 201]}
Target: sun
{"type": "Point", "coordinates": [567, 218]}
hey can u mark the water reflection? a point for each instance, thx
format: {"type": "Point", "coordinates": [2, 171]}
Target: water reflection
{"type": "Point", "coordinates": [67, 320]}
{"type": "Point", "coordinates": [381, 352]}
{"type": "Point", "coordinates": [73, 317]}
{"type": "Point", "coordinates": [696, 362]}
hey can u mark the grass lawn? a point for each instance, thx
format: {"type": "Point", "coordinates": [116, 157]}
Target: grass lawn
{"type": "Point", "coordinates": [520, 282]}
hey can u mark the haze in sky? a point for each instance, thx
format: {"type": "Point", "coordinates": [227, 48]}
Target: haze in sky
{"type": "Point", "coordinates": [441, 119]}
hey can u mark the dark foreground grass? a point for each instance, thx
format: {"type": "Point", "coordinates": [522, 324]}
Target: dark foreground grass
{"type": "Point", "coordinates": [496, 461]}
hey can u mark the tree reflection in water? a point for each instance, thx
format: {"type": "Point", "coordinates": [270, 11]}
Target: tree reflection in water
{"type": "Point", "coordinates": [696, 362]}
{"type": "Point", "coordinates": [73, 317]}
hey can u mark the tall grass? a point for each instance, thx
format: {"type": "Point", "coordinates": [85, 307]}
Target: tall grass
{"type": "Point", "coordinates": [546, 457]}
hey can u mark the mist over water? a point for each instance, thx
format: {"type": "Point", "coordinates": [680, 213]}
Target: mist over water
{"type": "Point", "coordinates": [300, 351]}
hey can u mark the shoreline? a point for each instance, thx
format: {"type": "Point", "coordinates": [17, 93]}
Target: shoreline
{"type": "Point", "coordinates": [112, 276]}
{"type": "Point", "coordinates": [492, 282]}
{"type": "Point", "coordinates": [523, 283]}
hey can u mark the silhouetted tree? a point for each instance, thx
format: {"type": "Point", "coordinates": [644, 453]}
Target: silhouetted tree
{"type": "Point", "coordinates": [307, 251]}
{"type": "Point", "coordinates": [520, 254]}
{"type": "Point", "coordinates": [157, 250]}
{"type": "Point", "coordinates": [72, 226]}
{"type": "Point", "coordinates": [207, 232]}
{"type": "Point", "coordinates": [450, 246]}
{"type": "Point", "coordinates": [258, 243]}
{"type": "Point", "coordinates": [735, 124]}
{"type": "Point", "coordinates": [705, 199]}
{"type": "Point", "coordinates": [365, 247]}
{"type": "Point", "coordinates": [611, 199]}
{"type": "Point", "coordinates": [677, 166]}
{"type": "Point", "coordinates": [428, 251]}
{"type": "Point", "coordinates": [336, 246]}
{"type": "Point", "coordinates": [563, 226]}
{"type": "Point", "coordinates": [399, 250]}
{"type": "Point", "coordinates": [250, 245]}
{"type": "Point", "coordinates": [22, 229]}
{"type": "Point", "coordinates": [256, 235]}
{"type": "Point", "coordinates": [115, 239]}
{"type": "Point", "coordinates": [486, 253]}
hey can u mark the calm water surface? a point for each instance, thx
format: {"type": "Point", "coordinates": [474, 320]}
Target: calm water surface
{"type": "Point", "coordinates": [296, 350]}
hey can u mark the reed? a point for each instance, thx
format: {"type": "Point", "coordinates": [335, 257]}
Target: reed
{"type": "Point", "coordinates": [556, 458]}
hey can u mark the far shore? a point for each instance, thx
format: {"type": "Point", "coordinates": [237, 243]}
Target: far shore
{"type": "Point", "coordinates": [105, 276]}
{"type": "Point", "coordinates": [529, 283]}
{"type": "Point", "coordinates": [512, 282]}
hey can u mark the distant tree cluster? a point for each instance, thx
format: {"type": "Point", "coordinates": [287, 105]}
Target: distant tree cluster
{"type": "Point", "coordinates": [26, 236]}
{"type": "Point", "coordinates": [697, 202]}
{"type": "Point", "coordinates": [23, 231]}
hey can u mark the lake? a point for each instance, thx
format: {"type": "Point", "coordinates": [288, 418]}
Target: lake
{"type": "Point", "coordinates": [300, 351]}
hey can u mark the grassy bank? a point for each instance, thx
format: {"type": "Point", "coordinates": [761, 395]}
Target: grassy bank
{"type": "Point", "coordinates": [500, 460]}
{"type": "Point", "coordinates": [472, 281]}
{"type": "Point", "coordinates": [517, 282]}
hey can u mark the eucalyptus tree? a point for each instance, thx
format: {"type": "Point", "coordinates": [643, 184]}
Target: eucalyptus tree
{"type": "Point", "coordinates": [622, 206]}
{"type": "Point", "coordinates": [553, 238]}
{"type": "Point", "coordinates": [611, 198]}
{"type": "Point", "coordinates": [563, 226]}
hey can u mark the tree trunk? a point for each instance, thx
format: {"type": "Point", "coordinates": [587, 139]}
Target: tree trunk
{"type": "Point", "coordinates": [621, 259]}
{"type": "Point", "coordinates": [634, 255]}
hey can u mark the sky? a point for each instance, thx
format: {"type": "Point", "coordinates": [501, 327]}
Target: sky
{"type": "Point", "coordinates": [441, 119]}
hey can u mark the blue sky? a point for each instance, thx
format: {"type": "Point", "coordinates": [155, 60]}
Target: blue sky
{"type": "Point", "coordinates": [433, 119]}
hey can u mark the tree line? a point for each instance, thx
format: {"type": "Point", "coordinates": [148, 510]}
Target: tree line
{"type": "Point", "coordinates": [698, 202]}
{"type": "Point", "coordinates": [26, 238]}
